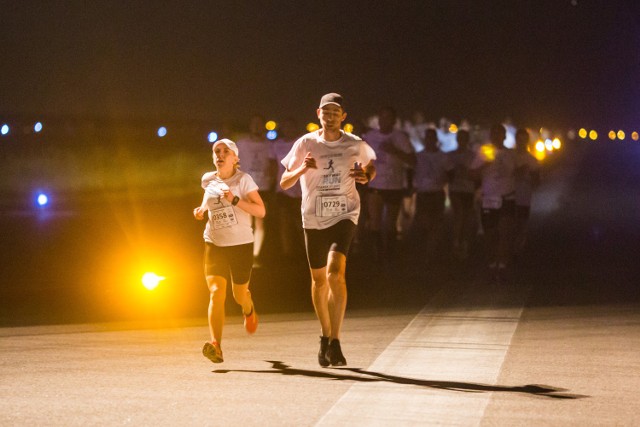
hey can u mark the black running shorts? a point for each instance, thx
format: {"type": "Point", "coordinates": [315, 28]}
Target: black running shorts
{"type": "Point", "coordinates": [319, 243]}
{"type": "Point", "coordinates": [224, 260]}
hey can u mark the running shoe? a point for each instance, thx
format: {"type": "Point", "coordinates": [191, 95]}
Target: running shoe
{"type": "Point", "coordinates": [251, 321]}
{"type": "Point", "coordinates": [213, 352]}
{"type": "Point", "coordinates": [334, 354]}
{"type": "Point", "coordinates": [322, 353]}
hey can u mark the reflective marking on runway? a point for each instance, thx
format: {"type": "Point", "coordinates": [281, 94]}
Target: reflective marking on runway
{"type": "Point", "coordinates": [441, 369]}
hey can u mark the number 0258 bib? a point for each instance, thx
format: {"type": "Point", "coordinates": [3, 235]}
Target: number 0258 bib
{"type": "Point", "coordinates": [223, 217]}
{"type": "Point", "coordinates": [331, 205]}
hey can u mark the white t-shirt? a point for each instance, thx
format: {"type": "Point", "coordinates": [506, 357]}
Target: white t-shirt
{"type": "Point", "coordinates": [228, 225]}
{"type": "Point", "coordinates": [255, 158]}
{"type": "Point", "coordinates": [390, 170]}
{"type": "Point", "coordinates": [461, 162]}
{"type": "Point", "coordinates": [498, 177]}
{"type": "Point", "coordinates": [329, 194]}
{"type": "Point", "coordinates": [524, 185]}
{"type": "Point", "coordinates": [281, 148]}
{"type": "Point", "coordinates": [431, 171]}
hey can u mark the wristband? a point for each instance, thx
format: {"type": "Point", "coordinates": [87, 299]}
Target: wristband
{"type": "Point", "coordinates": [235, 200]}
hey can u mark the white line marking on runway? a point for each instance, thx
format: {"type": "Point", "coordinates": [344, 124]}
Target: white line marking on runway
{"type": "Point", "coordinates": [433, 368]}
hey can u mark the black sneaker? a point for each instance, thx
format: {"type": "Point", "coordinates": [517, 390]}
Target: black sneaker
{"type": "Point", "coordinates": [212, 352]}
{"type": "Point", "coordinates": [334, 354]}
{"type": "Point", "coordinates": [322, 353]}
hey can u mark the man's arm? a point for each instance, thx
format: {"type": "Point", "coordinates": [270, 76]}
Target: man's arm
{"type": "Point", "coordinates": [290, 177]}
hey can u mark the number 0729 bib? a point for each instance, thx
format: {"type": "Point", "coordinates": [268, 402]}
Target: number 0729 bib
{"type": "Point", "coordinates": [331, 205]}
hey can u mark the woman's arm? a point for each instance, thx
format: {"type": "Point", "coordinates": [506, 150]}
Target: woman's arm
{"type": "Point", "coordinates": [198, 213]}
{"type": "Point", "coordinates": [253, 205]}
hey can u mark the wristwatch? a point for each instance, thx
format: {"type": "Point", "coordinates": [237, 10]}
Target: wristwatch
{"type": "Point", "coordinates": [235, 200]}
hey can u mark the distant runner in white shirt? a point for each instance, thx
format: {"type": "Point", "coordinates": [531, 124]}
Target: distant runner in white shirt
{"type": "Point", "coordinates": [461, 193]}
{"type": "Point", "coordinates": [258, 160]}
{"type": "Point", "coordinates": [287, 202]}
{"type": "Point", "coordinates": [496, 165]}
{"type": "Point", "coordinates": [432, 172]}
{"type": "Point", "coordinates": [231, 198]}
{"type": "Point", "coordinates": [394, 155]}
{"type": "Point", "coordinates": [527, 179]}
{"type": "Point", "coordinates": [328, 163]}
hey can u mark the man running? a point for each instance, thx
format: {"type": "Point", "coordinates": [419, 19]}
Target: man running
{"type": "Point", "coordinates": [329, 162]}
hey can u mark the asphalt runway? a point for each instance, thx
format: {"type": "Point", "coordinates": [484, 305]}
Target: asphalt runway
{"type": "Point", "coordinates": [470, 357]}
{"type": "Point", "coordinates": [557, 345]}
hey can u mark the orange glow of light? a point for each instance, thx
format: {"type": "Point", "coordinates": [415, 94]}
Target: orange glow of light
{"type": "Point", "coordinates": [453, 128]}
{"type": "Point", "coordinates": [540, 147]}
{"type": "Point", "coordinates": [312, 127]}
{"type": "Point", "coordinates": [151, 280]}
{"type": "Point", "coordinates": [556, 143]}
{"type": "Point", "coordinates": [540, 155]}
{"type": "Point", "coordinates": [635, 136]}
{"type": "Point", "coordinates": [488, 151]}
{"type": "Point", "coordinates": [612, 135]}
{"type": "Point", "coordinates": [270, 125]}
{"type": "Point", "coordinates": [582, 133]}
{"type": "Point", "coordinates": [621, 135]}
{"type": "Point", "coordinates": [348, 128]}
{"type": "Point", "coordinates": [593, 135]}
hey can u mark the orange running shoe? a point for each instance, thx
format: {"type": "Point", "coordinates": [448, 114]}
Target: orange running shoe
{"type": "Point", "coordinates": [251, 321]}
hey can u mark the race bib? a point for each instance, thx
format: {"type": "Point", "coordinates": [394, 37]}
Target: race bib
{"type": "Point", "coordinates": [223, 217]}
{"type": "Point", "coordinates": [492, 202]}
{"type": "Point", "coordinates": [331, 205]}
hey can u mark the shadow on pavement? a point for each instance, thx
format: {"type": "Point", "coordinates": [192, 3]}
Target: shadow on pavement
{"type": "Point", "coordinates": [280, 368]}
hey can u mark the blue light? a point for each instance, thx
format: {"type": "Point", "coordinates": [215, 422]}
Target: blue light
{"type": "Point", "coordinates": [271, 135]}
{"type": "Point", "coordinates": [162, 131]}
{"type": "Point", "coordinates": [213, 137]}
{"type": "Point", "coordinates": [42, 199]}
{"type": "Point", "coordinates": [37, 127]}
{"type": "Point", "coordinates": [5, 129]}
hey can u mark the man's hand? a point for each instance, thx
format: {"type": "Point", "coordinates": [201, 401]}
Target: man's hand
{"type": "Point", "coordinates": [359, 174]}
{"type": "Point", "coordinates": [309, 163]}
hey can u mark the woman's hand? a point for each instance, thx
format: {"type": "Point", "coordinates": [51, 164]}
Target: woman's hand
{"type": "Point", "coordinates": [198, 213]}
{"type": "Point", "coordinates": [228, 196]}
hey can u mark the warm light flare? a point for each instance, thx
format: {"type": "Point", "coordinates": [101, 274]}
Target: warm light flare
{"type": "Point", "coordinates": [270, 125]}
{"type": "Point", "coordinates": [453, 128]}
{"type": "Point", "coordinates": [556, 143]}
{"type": "Point", "coordinates": [582, 133]}
{"type": "Point", "coordinates": [312, 127]}
{"type": "Point", "coordinates": [621, 135]}
{"type": "Point", "coordinates": [151, 280]}
{"type": "Point", "coordinates": [635, 136]}
{"type": "Point", "coordinates": [540, 155]}
{"type": "Point", "coordinates": [593, 135]}
{"type": "Point", "coordinates": [612, 135]}
{"type": "Point", "coordinates": [348, 128]}
{"type": "Point", "coordinates": [488, 151]}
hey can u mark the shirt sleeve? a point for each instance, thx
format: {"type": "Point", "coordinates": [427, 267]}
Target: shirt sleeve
{"type": "Point", "coordinates": [294, 157]}
{"type": "Point", "coordinates": [207, 178]}
{"type": "Point", "coordinates": [367, 153]}
{"type": "Point", "coordinates": [247, 185]}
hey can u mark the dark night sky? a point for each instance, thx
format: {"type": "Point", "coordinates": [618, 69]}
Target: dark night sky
{"type": "Point", "coordinates": [554, 63]}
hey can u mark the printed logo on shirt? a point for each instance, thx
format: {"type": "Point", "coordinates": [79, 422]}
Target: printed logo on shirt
{"type": "Point", "coordinates": [331, 180]}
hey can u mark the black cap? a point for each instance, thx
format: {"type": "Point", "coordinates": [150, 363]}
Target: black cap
{"type": "Point", "coordinates": [332, 98]}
